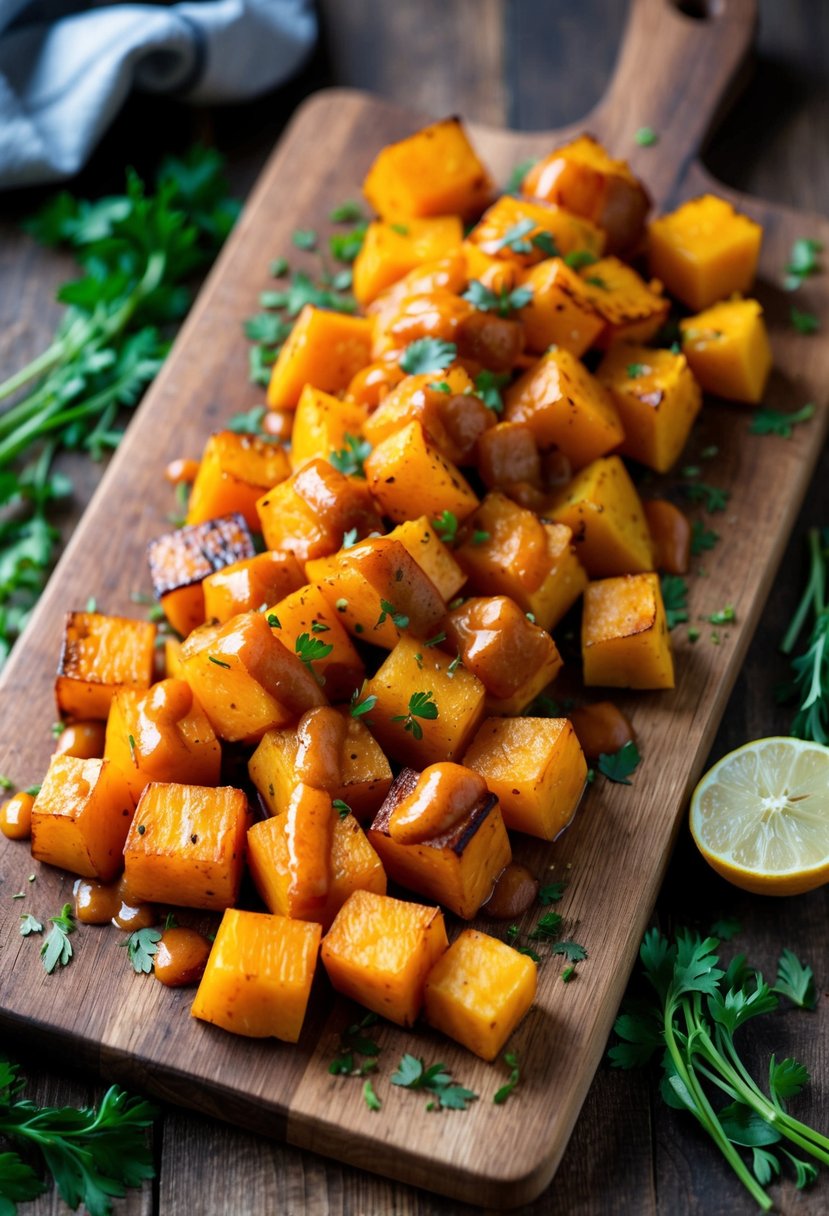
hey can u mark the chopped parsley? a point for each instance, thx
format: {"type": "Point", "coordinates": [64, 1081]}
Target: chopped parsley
{"type": "Point", "coordinates": [702, 538]}
{"type": "Point", "coordinates": [310, 650]}
{"type": "Point", "coordinates": [398, 619]}
{"type": "Point", "coordinates": [421, 705]}
{"type": "Point", "coordinates": [502, 302]}
{"type": "Point", "coordinates": [349, 459]}
{"type": "Point", "coordinates": [142, 947]}
{"type": "Point", "coordinates": [618, 766]}
{"type": "Point", "coordinates": [56, 950]}
{"type": "Point", "coordinates": [511, 1060]}
{"type": "Point", "coordinates": [446, 527]}
{"type": "Point", "coordinates": [428, 355]}
{"type": "Point", "coordinates": [436, 1079]}
{"type": "Point", "coordinates": [488, 387]}
{"type": "Point", "coordinates": [774, 422]}
{"type": "Point", "coordinates": [804, 322]}
{"type": "Point", "coordinates": [675, 598]}
{"type": "Point", "coordinates": [646, 137]}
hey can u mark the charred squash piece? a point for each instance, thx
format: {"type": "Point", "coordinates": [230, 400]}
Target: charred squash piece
{"type": "Point", "coordinates": [100, 655]}
{"type": "Point", "coordinates": [180, 562]}
{"type": "Point", "coordinates": [624, 637]}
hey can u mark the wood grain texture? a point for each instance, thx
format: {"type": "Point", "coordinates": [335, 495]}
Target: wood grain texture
{"type": "Point", "coordinates": [310, 1172]}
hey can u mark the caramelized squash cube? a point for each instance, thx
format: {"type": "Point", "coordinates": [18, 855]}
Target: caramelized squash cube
{"type": "Point", "coordinates": [513, 229]}
{"type": "Point", "coordinates": [186, 846]}
{"type": "Point", "coordinates": [354, 866]}
{"type": "Point", "coordinates": [325, 349]}
{"type": "Point", "coordinates": [624, 634]}
{"type": "Point", "coordinates": [259, 974]}
{"type": "Point", "coordinates": [433, 172]}
{"type": "Point", "coordinates": [457, 695]}
{"type": "Point", "coordinates": [657, 399]}
{"type": "Point", "coordinates": [409, 478]}
{"type": "Point", "coordinates": [180, 561]}
{"type": "Point", "coordinates": [604, 513]}
{"type": "Point", "coordinates": [453, 419]}
{"type": "Point", "coordinates": [535, 768]}
{"type": "Point", "coordinates": [446, 273]}
{"type": "Point", "coordinates": [81, 817]}
{"type": "Point", "coordinates": [100, 655]}
{"type": "Point", "coordinates": [235, 470]}
{"type": "Point", "coordinates": [308, 611]}
{"type": "Point", "coordinates": [322, 424]}
{"type": "Point", "coordinates": [704, 251]}
{"type": "Point", "coordinates": [172, 658]}
{"type": "Point", "coordinates": [478, 992]}
{"type": "Point", "coordinates": [728, 350]}
{"type": "Point", "coordinates": [632, 309]}
{"type": "Point", "coordinates": [458, 868]}
{"type": "Point", "coordinates": [560, 312]}
{"type": "Point", "coordinates": [380, 950]}
{"type": "Point", "coordinates": [309, 514]}
{"type": "Point", "coordinates": [565, 407]}
{"type": "Point", "coordinates": [249, 585]}
{"type": "Point", "coordinates": [431, 554]}
{"type": "Point", "coordinates": [391, 250]}
{"type": "Point", "coordinates": [246, 680]}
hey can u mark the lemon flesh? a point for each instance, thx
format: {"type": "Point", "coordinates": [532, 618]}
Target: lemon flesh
{"type": "Point", "coordinates": [760, 816]}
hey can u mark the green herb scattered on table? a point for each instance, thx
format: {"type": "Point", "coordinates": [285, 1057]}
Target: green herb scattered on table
{"type": "Point", "coordinates": [810, 683]}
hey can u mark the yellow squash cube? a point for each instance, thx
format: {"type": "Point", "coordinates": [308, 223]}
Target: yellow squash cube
{"type": "Point", "coordinates": [379, 952]}
{"type": "Point", "coordinates": [100, 655]}
{"type": "Point", "coordinates": [259, 974]}
{"type": "Point", "coordinates": [560, 312]}
{"type": "Point", "coordinates": [81, 817]}
{"type": "Point", "coordinates": [565, 407]}
{"type": "Point", "coordinates": [536, 769]}
{"type": "Point", "coordinates": [431, 554]}
{"type": "Point", "coordinates": [308, 611]}
{"type": "Point", "coordinates": [704, 251]}
{"type": "Point", "coordinates": [657, 399]}
{"type": "Point", "coordinates": [624, 634]}
{"type": "Point", "coordinates": [249, 585]}
{"type": "Point", "coordinates": [235, 470]}
{"type": "Point", "coordinates": [478, 992]}
{"type": "Point", "coordinates": [390, 250]}
{"type": "Point", "coordinates": [325, 349]}
{"type": "Point", "coordinates": [433, 172]}
{"type": "Point", "coordinates": [310, 513]}
{"type": "Point", "coordinates": [522, 231]}
{"type": "Point", "coordinates": [408, 478]}
{"type": "Point", "coordinates": [322, 424]}
{"type": "Point", "coordinates": [728, 350]}
{"type": "Point", "coordinates": [605, 514]}
{"type": "Point", "coordinates": [632, 309]}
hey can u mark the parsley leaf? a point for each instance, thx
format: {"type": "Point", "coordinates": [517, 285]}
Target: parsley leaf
{"type": "Point", "coordinates": [503, 302]}
{"type": "Point", "coordinates": [723, 616]}
{"type": "Point", "coordinates": [635, 370]}
{"type": "Point", "coordinates": [446, 527]}
{"type": "Point", "coordinates": [56, 950]}
{"type": "Point", "coordinates": [675, 598]}
{"type": "Point", "coordinates": [29, 924]}
{"type": "Point", "coordinates": [547, 927]}
{"type": "Point", "coordinates": [702, 538]}
{"type": "Point", "coordinates": [572, 951]}
{"type": "Point", "coordinates": [370, 1097]}
{"type": "Point", "coordinates": [712, 497]}
{"type": "Point", "coordinates": [342, 808]}
{"type": "Point", "coordinates": [576, 259]}
{"type": "Point", "coordinates": [349, 459]}
{"type": "Point", "coordinates": [310, 650]}
{"type": "Point", "coordinates": [249, 422]}
{"type": "Point", "coordinates": [803, 261]}
{"type": "Point", "coordinates": [360, 708]}
{"type": "Point", "coordinates": [518, 174]}
{"type": "Point", "coordinates": [511, 1060]}
{"type": "Point", "coordinates": [796, 981]}
{"type": "Point", "coordinates": [618, 766]}
{"type": "Point", "coordinates": [421, 705]}
{"type": "Point", "coordinates": [353, 1042]}
{"type": "Point", "coordinates": [515, 237]}
{"type": "Point", "coordinates": [546, 243]}
{"type": "Point", "coordinates": [399, 619]}
{"type": "Point", "coordinates": [412, 1073]}
{"type": "Point", "coordinates": [427, 355]}
{"type": "Point", "coordinates": [304, 238]}
{"type": "Point", "coordinates": [488, 387]}
{"type": "Point", "coordinates": [775, 422]}
{"type": "Point", "coordinates": [142, 947]}
{"type": "Point", "coordinates": [804, 322]}
{"type": "Point", "coordinates": [345, 246]}
{"type": "Point", "coordinates": [646, 137]}
{"type": "Point", "coordinates": [551, 893]}
{"type": "Point", "coordinates": [349, 212]}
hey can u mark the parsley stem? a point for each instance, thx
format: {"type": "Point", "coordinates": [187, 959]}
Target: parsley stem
{"type": "Point", "coordinates": [815, 592]}
{"type": "Point", "coordinates": [63, 347]}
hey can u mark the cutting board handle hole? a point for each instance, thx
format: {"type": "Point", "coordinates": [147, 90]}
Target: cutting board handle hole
{"type": "Point", "coordinates": [699, 10]}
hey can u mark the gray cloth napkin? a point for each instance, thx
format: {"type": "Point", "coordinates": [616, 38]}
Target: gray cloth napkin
{"type": "Point", "coordinates": [66, 68]}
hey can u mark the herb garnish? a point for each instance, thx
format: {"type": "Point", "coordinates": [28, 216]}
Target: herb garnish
{"type": "Point", "coordinates": [304, 238]}
{"type": "Point", "coordinates": [795, 981]}
{"type": "Point", "coordinates": [355, 1042]}
{"type": "Point", "coordinates": [646, 137]}
{"type": "Point", "coordinates": [702, 538]}
{"type": "Point", "coordinates": [775, 422]}
{"type": "Point", "coordinates": [511, 1060]}
{"type": "Point", "coordinates": [29, 924]}
{"type": "Point", "coordinates": [675, 598]}
{"type": "Point", "coordinates": [518, 174]}
{"type": "Point", "coordinates": [142, 947]}
{"type": "Point", "coordinates": [421, 705]}
{"type": "Point", "coordinates": [515, 238]}
{"type": "Point", "coordinates": [723, 616]}
{"type": "Point", "coordinates": [712, 497]}
{"type": "Point", "coordinates": [412, 1073]}
{"type": "Point", "coordinates": [803, 261]}
{"type": "Point", "coordinates": [349, 459]}
{"type": "Point", "coordinates": [502, 302]}
{"type": "Point", "coordinates": [427, 355]}
{"type": "Point", "coordinates": [804, 322]}
{"type": "Point", "coordinates": [360, 708]}
{"type": "Point", "coordinates": [310, 650]}
{"type": "Point", "coordinates": [446, 526]}
{"type": "Point", "coordinates": [342, 808]}
{"type": "Point", "coordinates": [618, 766]}
{"type": "Point", "coordinates": [811, 669]}
{"type": "Point", "coordinates": [399, 619]}
{"type": "Point", "coordinates": [56, 950]}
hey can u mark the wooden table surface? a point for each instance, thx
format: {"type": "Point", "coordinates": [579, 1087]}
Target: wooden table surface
{"type": "Point", "coordinates": [531, 64]}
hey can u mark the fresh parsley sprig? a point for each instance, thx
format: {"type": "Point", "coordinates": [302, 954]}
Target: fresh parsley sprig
{"type": "Point", "coordinates": [810, 685]}
{"type": "Point", "coordinates": [426, 356]}
{"type": "Point", "coordinates": [57, 950]}
{"type": "Point", "coordinates": [349, 459]}
{"type": "Point", "coordinates": [421, 705]}
{"type": "Point", "coordinates": [436, 1079]}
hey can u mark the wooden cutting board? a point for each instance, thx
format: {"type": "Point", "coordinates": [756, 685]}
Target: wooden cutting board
{"type": "Point", "coordinates": [673, 74]}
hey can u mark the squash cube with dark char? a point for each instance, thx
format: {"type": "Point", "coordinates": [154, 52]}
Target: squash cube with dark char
{"type": "Point", "coordinates": [101, 655]}
{"type": "Point", "coordinates": [180, 561]}
{"type": "Point", "coordinates": [624, 634]}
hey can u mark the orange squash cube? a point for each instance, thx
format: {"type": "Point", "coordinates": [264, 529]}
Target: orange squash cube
{"type": "Point", "coordinates": [249, 585]}
{"type": "Point", "coordinates": [657, 399]}
{"type": "Point", "coordinates": [81, 817]}
{"type": "Point", "coordinates": [235, 470]}
{"type": "Point", "coordinates": [372, 383]}
{"type": "Point", "coordinates": [186, 846]}
{"type": "Point", "coordinates": [605, 514]}
{"type": "Point", "coordinates": [172, 658]}
{"type": "Point", "coordinates": [100, 655]}
{"type": "Point", "coordinates": [431, 554]}
{"type": "Point", "coordinates": [309, 514]}
{"type": "Point", "coordinates": [453, 418]}
{"type": "Point", "coordinates": [409, 478]}
{"type": "Point", "coordinates": [433, 172]}
{"type": "Point", "coordinates": [180, 561]}
{"type": "Point", "coordinates": [704, 251]}
{"type": "Point", "coordinates": [308, 611]}
{"type": "Point", "coordinates": [515, 228]}
{"type": "Point", "coordinates": [380, 950]}
{"type": "Point", "coordinates": [259, 974]}
{"type": "Point", "coordinates": [354, 866]}
{"type": "Point", "coordinates": [322, 425]}
{"type": "Point", "coordinates": [450, 715]}
{"type": "Point", "coordinates": [632, 309]}
{"type": "Point", "coordinates": [565, 407]}
{"type": "Point", "coordinates": [459, 867]}
{"type": "Point", "coordinates": [245, 679]}
{"type": "Point", "coordinates": [444, 274]}
{"type": "Point", "coordinates": [728, 350]}
{"type": "Point", "coordinates": [560, 312]}
{"type": "Point", "coordinates": [325, 349]}
{"type": "Point", "coordinates": [478, 991]}
{"type": "Point", "coordinates": [390, 250]}
{"type": "Point", "coordinates": [534, 767]}
{"type": "Point", "coordinates": [624, 634]}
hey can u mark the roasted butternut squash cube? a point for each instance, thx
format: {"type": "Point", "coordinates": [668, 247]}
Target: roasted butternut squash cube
{"type": "Point", "coordinates": [508, 551]}
{"type": "Point", "coordinates": [459, 867]}
{"type": "Point", "coordinates": [624, 634]}
{"type": "Point", "coordinates": [363, 781]}
{"type": "Point", "coordinates": [354, 866]}
{"type": "Point", "coordinates": [534, 767]}
{"type": "Point", "coordinates": [632, 309]}
{"type": "Point", "coordinates": [180, 561]}
{"type": "Point", "coordinates": [524, 231]}
{"type": "Point", "coordinates": [186, 845]}
{"type": "Point", "coordinates": [81, 817]}
{"type": "Point", "coordinates": [428, 707]}
{"type": "Point", "coordinates": [584, 178]}
{"type": "Point", "coordinates": [452, 416]}
{"type": "Point", "coordinates": [380, 950]}
{"type": "Point", "coordinates": [325, 349]}
{"type": "Point", "coordinates": [657, 399]}
{"type": "Point", "coordinates": [259, 974]}
{"type": "Point", "coordinates": [309, 514]}
{"type": "Point", "coordinates": [478, 992]}
{"type": "Point", "coordinates": [373, 382]}
{"type": "Point", "coordinates": [249, 585]}
{"type": "Point", "coordinates": [322, 426]}
{"type": "Point", "coordinates": [390, 250]}
{"type": "Point", "coordinates": [161, 735]}
{"type": "Point", "coordinates": [100, 655]}
{"type": "Point", "coordinates": [446, 273]}
{"type": "Point", "coordinates": [246, 680]}
{"type": "Point", "coordinates": [307, 611]}
{"type": "Point", "coordinates": [379, 592]}
{"type": "Point", "coordinates": [565, 407]}
{"type": "Point", "coordinates": [431, 554]}
{"type": "Point", "coordinates": [704, 251]}
{"type": "Point", "coordinates": [603, 511]}
{"type": "Point", "coordinates": [728, 350]}
{"type": "Point", "coordinates": [512, 657]}
{"type": "Point", "coordinates": [433, 172]}
{"type": "Point", "coordinates": [172, 658]}
{"type": "Point", "coordinates": [235, 470]}
{"type": "Point", "coordinates": [409, 478]}
{"type": "Point", "coordinates": [560, 312]}
{"type": "Point", "coordinates": [401, 321]}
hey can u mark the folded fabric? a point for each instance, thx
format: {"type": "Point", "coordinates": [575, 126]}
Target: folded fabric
{"type": "Point", "coordinates": [66, 69]}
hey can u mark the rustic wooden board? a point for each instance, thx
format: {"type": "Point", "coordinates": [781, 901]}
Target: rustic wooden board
{"type": "Point", "coordinates": [671, 75]}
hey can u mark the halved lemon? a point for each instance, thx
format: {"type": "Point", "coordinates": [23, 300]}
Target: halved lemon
{"type": "Point", "coordinates": [760, 816]}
